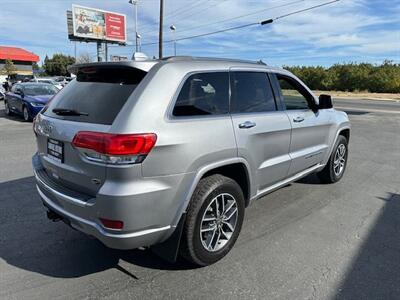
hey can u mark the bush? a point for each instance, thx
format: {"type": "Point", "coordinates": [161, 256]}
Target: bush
{"type": "Point", "coordinates": [384, 78]}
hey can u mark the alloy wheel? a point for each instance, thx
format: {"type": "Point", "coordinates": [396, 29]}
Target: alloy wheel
{"type": "Point", "coordinates": [339, 160]}
{"type": "Point", "coordinates": [219, 222]}
{"type": "Point", "coordinates": [6, 108]}
{"type": "Point", "coordinates": [26, 114]}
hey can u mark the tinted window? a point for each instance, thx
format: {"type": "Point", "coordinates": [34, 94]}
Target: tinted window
{"type": "Point", "coordinates": [294, 95]}
{"type": "Point", "coordinates": [251, 92]}
{"type": "Point", "coordinates": [203, 94]}
{"type": "Point", "coordinates": [99, 92]}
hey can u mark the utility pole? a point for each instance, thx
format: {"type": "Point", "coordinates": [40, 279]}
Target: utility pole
{"type": "Point", "coordinates": [75, 50]}
{"type": "Point", "coordinates": [160, 34]}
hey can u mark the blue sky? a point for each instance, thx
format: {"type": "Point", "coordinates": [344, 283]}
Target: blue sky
{"type": "Point", "coordinates": [346, 31]}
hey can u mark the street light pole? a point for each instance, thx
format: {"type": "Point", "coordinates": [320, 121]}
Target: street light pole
{"type": "Point", "coordinates": [160, 33]}
{"type": "Point", "coordinates": [139, 39]}
{"type": "Point", "coordinates": [135, 2]}
{"type": "Point", "coordinates": [173, 28]}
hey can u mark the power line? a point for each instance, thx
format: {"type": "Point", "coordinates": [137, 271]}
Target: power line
{"type": "Point", "coordinates": [306, 9]}
{"type": "Point", "coordinates": [196, 12]}
{"type": "Point", "coordinates": [187, 8]}
{"type": "Point", "coordinates": [268, 21]}
{"type": "Point", "coordinates": [209, 33]}
{"type": "Point", "coordinates": [206, 8]}
{"type": "Point", "coordinates": [242, 16]}
{"type": "Point", "coordinates": [181, 10]}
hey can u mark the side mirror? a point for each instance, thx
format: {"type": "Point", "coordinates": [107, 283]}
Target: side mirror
{"type": "Point", "coordinates": [19, 92]}
{"type": "Point", "coordinates": [325, 102]}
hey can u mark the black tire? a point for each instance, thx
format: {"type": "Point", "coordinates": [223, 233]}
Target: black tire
{"type": "Point", "coordinates": [208, 189]}
{"type": "Point", "coordinates": [328, 173]}
{"type": "Point", "coordinates": [7, 109]}
{"type": "Point", "coordinates": [26, 114]}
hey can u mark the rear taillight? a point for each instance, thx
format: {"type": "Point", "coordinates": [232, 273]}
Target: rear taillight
{"type": "Point", "coordinates": [114, 148]}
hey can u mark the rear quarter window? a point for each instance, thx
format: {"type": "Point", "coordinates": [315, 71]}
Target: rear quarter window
{"type": "Point", "coordinates": [203, 94]}
{"type": "Point", "coordinates": [99, 93]}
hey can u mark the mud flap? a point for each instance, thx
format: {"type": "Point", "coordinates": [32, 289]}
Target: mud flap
{"type": "Point", "coordinates": [169, 249]}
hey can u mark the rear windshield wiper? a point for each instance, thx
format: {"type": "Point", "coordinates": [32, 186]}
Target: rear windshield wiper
{"type": "Point", "coordinates": [68, 112]}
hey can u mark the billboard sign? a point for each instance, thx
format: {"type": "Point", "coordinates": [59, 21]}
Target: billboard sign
{"type": "Point", "coordinates": [92, 23]}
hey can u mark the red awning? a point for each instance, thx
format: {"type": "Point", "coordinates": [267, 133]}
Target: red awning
{"type": "Point", "coordinates": [17, 54]}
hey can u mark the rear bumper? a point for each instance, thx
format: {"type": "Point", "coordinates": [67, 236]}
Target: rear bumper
{"type": "Point", "coordinates": [143, 227]}
{"type": "Point", "coordinates": [112, 240]}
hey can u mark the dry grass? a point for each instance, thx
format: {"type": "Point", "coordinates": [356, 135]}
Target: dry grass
{"type": "Point", "coordinates": [364, 95]}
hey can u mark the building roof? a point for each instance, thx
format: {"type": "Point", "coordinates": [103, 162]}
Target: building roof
{"type": "Point", "coordinates": [17, 54]}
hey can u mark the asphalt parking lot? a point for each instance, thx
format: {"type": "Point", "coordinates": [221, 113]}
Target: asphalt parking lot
{"type": "Point", "coordinates": [305, 241]}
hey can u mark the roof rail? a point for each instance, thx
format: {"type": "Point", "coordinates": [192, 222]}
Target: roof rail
{"type": "Point", "coordinates": [183, 58]}
{"type": "Point", "coordinates": [177, 58]}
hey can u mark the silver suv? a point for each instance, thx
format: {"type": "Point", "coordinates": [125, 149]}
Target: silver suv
{"type": "Point", "coordinates": [169, 153]}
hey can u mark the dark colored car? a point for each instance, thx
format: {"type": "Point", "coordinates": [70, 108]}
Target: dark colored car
{"type": "Point", "coordinates": [27, 99]}
{"type": "Point", "coordinates": [13, 78]}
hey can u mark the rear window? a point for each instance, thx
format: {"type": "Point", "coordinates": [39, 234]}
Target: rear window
{"type": "Point", "coordinates": [251, 93]}
{"type": "Point", "coordinates": [97, 94]}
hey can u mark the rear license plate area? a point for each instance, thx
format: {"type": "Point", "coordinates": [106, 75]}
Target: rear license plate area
{"type": "Point", "coordinates": [55, 150]}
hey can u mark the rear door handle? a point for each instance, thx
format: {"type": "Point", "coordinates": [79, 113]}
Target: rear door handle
{"type": "Point", "coordinates": [247, 125]}
{"type": "Point", "coordinates": [298, 119]}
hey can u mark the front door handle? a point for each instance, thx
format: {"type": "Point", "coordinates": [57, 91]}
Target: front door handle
{"type": "Point", "coordinates": [298, 119]}
{"type": "Point", "coordinates": [247, 125]}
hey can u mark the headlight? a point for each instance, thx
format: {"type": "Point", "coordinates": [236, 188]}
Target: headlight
{"type": "Point", "coordinates": [37, 104]}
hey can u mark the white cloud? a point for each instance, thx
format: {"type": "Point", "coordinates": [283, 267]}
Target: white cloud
{"type": "Point", "coordinates": [347, 30]}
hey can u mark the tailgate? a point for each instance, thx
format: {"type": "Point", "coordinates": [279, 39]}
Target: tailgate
{"type": "Point", "coordinates": [89, 103]}
{"type": "Point", "coordinates": [64, 163]}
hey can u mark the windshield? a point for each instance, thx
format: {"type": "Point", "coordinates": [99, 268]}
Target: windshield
{"type": "Point", "coordinates": [35, 90]}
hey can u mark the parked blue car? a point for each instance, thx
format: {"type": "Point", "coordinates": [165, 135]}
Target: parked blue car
{"type": "Point", "coordinates": [27, 99]}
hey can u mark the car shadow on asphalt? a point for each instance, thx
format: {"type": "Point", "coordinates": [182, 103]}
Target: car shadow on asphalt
{"type": "Point", "coordinates": [310, 179]}
{"type": "Point", "coordinates": [31, 242]}
{"type": "Point", "coordinates": [356, 112]}
{"type": "Point", "coordinates": [13, 117]}
{"type": "Point", "coordinates": [375, 269]}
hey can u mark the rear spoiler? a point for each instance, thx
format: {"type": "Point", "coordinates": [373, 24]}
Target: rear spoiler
{"type": "Point", "coordinates": [141, 65]}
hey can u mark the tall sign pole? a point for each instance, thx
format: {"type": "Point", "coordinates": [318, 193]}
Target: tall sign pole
{"type": "Point", "coordinates": [160, 34]}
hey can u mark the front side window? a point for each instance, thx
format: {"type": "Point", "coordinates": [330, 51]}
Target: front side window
{"type": "Point", "coordinates": [251, 92]}
{"type": "Point", "coordinates": [294, 95]}
{"type": "Point", "coordinates": [203, 94]}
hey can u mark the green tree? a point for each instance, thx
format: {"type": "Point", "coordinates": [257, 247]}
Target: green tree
{"type": "Point", "coordinates": [57, 65]}
{"type": "Point", "coordinates": [384, 78]}
{"type": "Point", "coordinates": [35, 66]}
{"type": "Point", "coordinates": [84, 58]}
{"type": "Point", "coordinates": [8, 68]}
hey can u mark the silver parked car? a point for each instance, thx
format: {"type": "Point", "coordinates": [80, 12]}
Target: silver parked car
{"type": "Point", "coordinates": [169, 153]}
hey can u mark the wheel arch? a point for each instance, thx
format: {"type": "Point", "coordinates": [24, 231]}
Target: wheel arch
{"type": "Point", "coordinates": [236, 171]}
{"type": "Point", "coordinates": [346, 133]}
{"type": "Point", "coordinates": [214, 168]}
{"type": "Point", "coordinates": [342, 130]}
{"type": "Point", "coordinates": [224, 167]}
